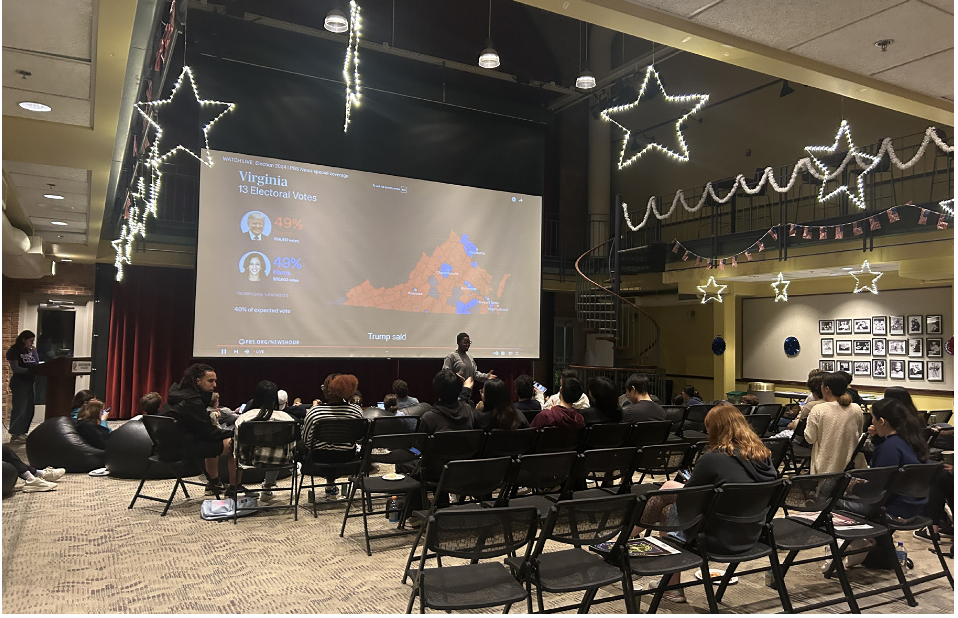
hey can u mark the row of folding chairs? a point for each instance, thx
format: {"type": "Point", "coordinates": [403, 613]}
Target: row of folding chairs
{"type": "Point", "coordinates": [510, 528]}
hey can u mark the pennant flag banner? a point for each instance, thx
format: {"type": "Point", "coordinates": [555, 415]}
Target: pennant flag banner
{"type": "Point", "coordinates": [722, 264]}
{"type": "Point", "coordinates": [748, 256]}
{"type": "Point", "coordinates": [791, 229]}
{"type": "Point", "coordinates": [734, 261]}
{"type": "Point", "coordinates": [874, 223]}
{"type": "Point", "coordinates": [942, 224]}
{"type": "Point", "coordinates": [698, 261]}
{"type": "Point", "coordinates": [708, 265]}
{"type": "Point", "coordinates": [761, 247]}
{"type": "Point", "coordinates": [774, 234]}
{"type": "Point", "coordinates": [823, 233]}
{"type": "Point", "coordinates": [675, 249]}
{"type": "Point", "coordinates": [856, 229]}
{"type": "Point", "coordinates": [807, 234]}
{"type": "Point", "coordinates": [685, 257]}
{"type": "Point", "coordinates": [892, 215]}
{"type": "Point", "coordinates": [923, 219]}
{"type": "Point", "coordinates": [839, 232]}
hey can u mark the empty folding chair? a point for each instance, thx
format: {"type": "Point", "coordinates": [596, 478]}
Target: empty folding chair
{"type": "Point", "coordinates": [744, 408]}
{"type": "Point", "coordinates": [542, 473]}
{"type": "Point", "coordinates": [662, 459]}
{"type": "Point", "coordinates": [647, 433]}
{"type": "Point", "coordinates": [445, 446]}
{"type": "Point", "coordinates": [693, 427]}
{"type": "Point", "coordinates": [605, 435]}
{"type": "Point", "coordinates": [775, 410]}
{"type": "Point", "coordinates": [509, 442]}
{"type": "Point", "coordinates": [675, 414]}
{"type": "Point", "coordinates": [559, 439]}
{"type": "Point", "coordinates": [759, 423]}
{"type": "Point", "coordinates": [611, 468]}
{"type": "Point", "coordinates": [779, 450]}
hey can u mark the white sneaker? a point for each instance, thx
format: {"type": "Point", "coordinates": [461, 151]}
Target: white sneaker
{"type": "Point", "coordinates": [52, 475]}
{"type": "Point", "coordinates": [266, 494]}
{"type": "Point", "coordinates": [38, 484]}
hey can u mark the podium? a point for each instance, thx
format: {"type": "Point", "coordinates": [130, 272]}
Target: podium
{"type": "Point", "coordinates": [61, 376]}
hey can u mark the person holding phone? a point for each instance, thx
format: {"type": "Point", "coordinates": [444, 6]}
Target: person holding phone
{"type": "Point", "coordinates": [91, 423]}
{"type": "Point", "coordinates": [22, 356]}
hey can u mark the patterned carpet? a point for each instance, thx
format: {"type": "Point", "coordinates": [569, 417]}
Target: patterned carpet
{"type": "Point", "coordinates": [80, 550]}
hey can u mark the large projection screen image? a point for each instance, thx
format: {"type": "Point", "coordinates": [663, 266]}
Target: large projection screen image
{"type": "Point", "coordinates": [301, 260]}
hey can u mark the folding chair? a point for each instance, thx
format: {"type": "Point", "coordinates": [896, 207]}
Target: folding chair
{"type": "Point", "coordinates": [391, 425]}
{"type": "Point", "coordinates": [675, 414]}
{"type": "Point", "coordinates": [559, 439]}
{"type": "Point", "coordinates": [267, 445]}
{"type": "Point", "coordinates": [745, 409]}
{"type": "Point", "coordinates": [542, 473]}
{"type": "Point", "coordinates": [512, 443]}
{"type": "Point", "coordinates": [605, 435]}
{"type": "Point", "coordinates": [473, 535]}
{"type": "Point", "coordinates": [332, 431]}
{"type": "Point", "coordinates": [579, 523]}
{"type": "Point", "coordinates": [779, 450]}
{"type": "Point", "coordinates": [662, 459]}
{"type": "Point", "coordinates": [604, 467]}
{"type": "Point", "coordinates": [759, 423]}
{"type": "Point", "coordinates": [775, 410]}
{"type": "Point", "coordinates": [647, 433]}
{"type": "Point", "coordinates": [167, 450]}
{"type": "Point", "coordinates": [445, 446]}
{"type": "Point", "coordinates": [693, 427]}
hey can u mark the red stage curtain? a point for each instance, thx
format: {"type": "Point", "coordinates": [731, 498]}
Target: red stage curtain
{"type": "Point", "coordinates": [151, 335]}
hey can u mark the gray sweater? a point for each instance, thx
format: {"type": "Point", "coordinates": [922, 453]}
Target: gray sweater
{"type": "Point", "coordinates": [465, 365]}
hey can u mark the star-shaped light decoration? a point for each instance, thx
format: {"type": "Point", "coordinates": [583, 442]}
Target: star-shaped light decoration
{"type": "Point", "coordinates": [853, 153]}
{"type": "Point", "coordinates": [781, 288]}
{"type": "Point", "coordinates": [168, 142]}
{"type": "Point", "coordinates": [683, 154]}
{"type": "Point", "coordinates": [866, 273]}
{"type": "Point", "coordinates": [711, 291]}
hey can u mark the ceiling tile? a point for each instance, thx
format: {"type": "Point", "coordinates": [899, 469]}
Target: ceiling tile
{"type": "Point", "coordinates": [21, 168]}
{"type": "Point", "coordinates": [915, 75]}
{"type": "Point", "coordinates": [59, 27]}
{"type": "Point", "coordinates": [945, 5]}
{"type": "Point", "coordinates": [71, 217]}
{"type": "Point", "coordinates": [683, 8]}
{"type": "Point", "coordinates": [64, 77]}
{"type": "Point", "coordinates": [42, 183]}
{"type": "Point", "coordinates": [61, 239]}
{"type": "Point", "coordinates": [790, 23]}
{"type": "Point", "coordinates": [918, 31]}
{"type": "Point", "coordinates": [64, 109]}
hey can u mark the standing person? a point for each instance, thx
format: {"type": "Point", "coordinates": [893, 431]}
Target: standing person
{"type": "Point", "coordinates": [187, 402]}
{"type": "Point", "coordinates": [834, 427]}
{"type": "Point", "coordinates": [401, 390]}
{"type": "Point", "coordinates": [337, 389]}
{"type": "Point", "coordinates": [641, 407]}
{"type": "Point", "coordinates": [91, 424]}
{"type": "Point", "coordinates": [564, 414]}
{"type": "Point", "coordinates": [605, 403]}
{"type": "Point", "coordinates": [528, 405]}
{"type": "Point", "coordinates": [497, 409]}
{"type": "Point", "coordinates": [462, 363]}
{"type": "Point", "coordinates": [263, 407]}
{"type": "Point", "coordinates": [22, 356]}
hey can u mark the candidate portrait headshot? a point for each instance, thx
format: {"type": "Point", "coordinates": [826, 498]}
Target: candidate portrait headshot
{"type": "Point", "coordinates": [256, 225]}
{"type": "Point", "coordinates": [254, 265]}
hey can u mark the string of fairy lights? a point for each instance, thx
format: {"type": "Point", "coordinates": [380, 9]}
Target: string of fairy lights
{"type": "Point", "coordinates": [351, 63]}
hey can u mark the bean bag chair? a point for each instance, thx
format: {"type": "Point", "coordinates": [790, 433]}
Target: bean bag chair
{"type": "Point", "coordinates": [9, 479]}
{"type": "Point", "coordinates": [127, 450]}
{"type": "Point", "coordinates": [56, 443]}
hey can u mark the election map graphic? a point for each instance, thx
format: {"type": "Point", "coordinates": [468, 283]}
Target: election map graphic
{"type": "Point", "coordinates": [448, 281]}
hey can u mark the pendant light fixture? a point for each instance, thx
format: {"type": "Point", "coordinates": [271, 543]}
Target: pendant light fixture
{"type": "Point", "coordinates": [585, 80]}
{"type": "Point", "coordinates": [336, 21]}
{"type": "Point", "coordinates": [489, 59]}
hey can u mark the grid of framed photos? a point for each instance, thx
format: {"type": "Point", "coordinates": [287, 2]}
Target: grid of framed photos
{"type": "Point", "coordinates": [895, 348]}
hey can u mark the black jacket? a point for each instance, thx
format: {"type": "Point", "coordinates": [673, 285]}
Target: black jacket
{"type": "Point", "coordinates": [446, 416]}
{"type": "Point", "coordinates": [594, 415]}
{"type": "Point", "coordinates": [94, 433]}
{"type": "Point", "coordinates": [188, 407]}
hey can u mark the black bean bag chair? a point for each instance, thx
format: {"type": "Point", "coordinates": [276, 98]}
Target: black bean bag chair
{"type": "Point", "coordinates": [56, 443]}
{"type": "Point", "coordinates": [9, 479]}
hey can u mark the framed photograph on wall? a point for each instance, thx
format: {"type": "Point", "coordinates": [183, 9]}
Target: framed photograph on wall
{"type": "Point", "coordinates": [845, 366]}
{"type": "Point", "coordinates": [896, 325]}
{"type": "Point", "coordinates": [896, 369]}
{"type": "Point", "coordinates": [843, 347]}
{"type": "Point", "coordinates": [828, 347]}
{"type": "Point", "coordinates": [879, 325]}
{"type": "Point", "coordinates": [916, 370]}
{"type": "Point", "coordinates": [843, 326]}
{"type": "Point", "coordinates": [879, 347]}
{"type": "Point", "coordinates": [936, 371]}
{"type": "Point", "coordinates": [933, 325]}
{"type": "Point", "coordinates": [826, 327]}
{"type": "Point", "coordinates": [863, 326]}
{"type": "Point", "coordinates": [915, 347]}
{"type": "Point", "coordinates": [863, 347]}
{"type": "Point", "coordinates": [879, 368]}
{"type": "Point", "coordinates": [862, 368]}
{"type": "Point", "coordinates": [828, 366]}
{"type": "Point", "coordinates": [933, 347]}
{"type": "Point", "coordinates": [897, 347]}
{"type": "Point", "coordinates": [914, 324]}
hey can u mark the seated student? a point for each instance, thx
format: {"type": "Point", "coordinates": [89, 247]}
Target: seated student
{"type": "Point", "coordinates": [91, 423]}
{"type": "Point", "coordinates": [564, 414]}
{"type": "Point", "coordinates": [454, 410]}
{"type": "Point", "coordinates": [904, 444]}
{"type": "Point", "coordinates": [401, 389]}
{"type": "Point", "coordinates": [357, 399]}
{"type": "Point", "coordinates": [528, 405]}
{"type": "Point", "coordinates": [34, 480]}
{"type": "Point", "coordinates": [814, 385]}
{"type": "Point", "coordinates": [856, 398]}
{"type": "Point", "coordinates": [833, 427]}
{"type": "Point", "coordinates": [605, 403]}
{"type": "Point", "coordinates": [678, 400]}
{"type": "Point", "coordinates": [150, 403]}
{"type": "Point", "coordinates": [640, 407]}
{"type": "Point", "coordinates": [497, 409]}
{"type": "Point", "coordinates": [264, 407]}
{"type": "Point", "coordinates": [749, 400]}
{"type": "Point", "coordinates": [902, 395]}
{"type": "Point", "coordinates": [391, 405]}
{"type": "Point", "coordinates": [735, 455]}
{"type": "Point", "coordinates": [337, 388]}
{"type": "Point", "coordinates": [690, 396]}
{"type": "Point", "coordinates": [581, 404]}
{"type": "Point", "coordinates": [187, 402]}
{"type": "Point", "coordinates": [78, 400]}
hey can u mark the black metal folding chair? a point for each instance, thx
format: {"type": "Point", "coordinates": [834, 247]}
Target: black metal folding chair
{"type": "Point", "coordinates": [610, 469]}
{"type": "Point", "coordinates": [445, 446]}
{"type": "Point", "coordinates": [662, 459]}
{"type": "Point", "coordinates": [391, 425]}
{"type": "Point", "coordinates": [605, 435]}
{"type": "Point", "coordinates": [779, 449]}
{"type": "Point", "coordinates": [647, 433]}
{"type": "Point", "coordinates": [473, 535]}
{"type": "Point", "coordinates": [512, 443]}
{"type": "Point", "coordinates": [267, 445]}
{"type": "Point", "coordinates": [559, 439]}
{"type": "Point", "coordinates": [693, 428]}
{"type": "Point", "coordinates": [167, 450]}
{"type": "Point", "coordinates": [745, 409]}
{"type": "Point", "coordinates": [579, 523]}
{"type": "Point", "coordinates": [542, 473]}
{"type": "Point", "coordinates": [759, 423]}
{"type": "Point", "coordinates": [332, 430]}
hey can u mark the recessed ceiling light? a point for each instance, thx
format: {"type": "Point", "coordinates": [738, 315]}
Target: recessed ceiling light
{"type": "Point", "coordinates": [65, 260]}
{"type": "Point", "coordinates": [687, 39]}
{"type": "Point", "coordinates": [52, 196]}
{"type": "Point", "coordinates": [848, 268]}
{"type": "Point", "coordinates": [58, 223]}
{"type": "Point", "coordinates": [33, 106]}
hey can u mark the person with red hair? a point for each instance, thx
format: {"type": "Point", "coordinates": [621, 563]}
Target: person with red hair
{"type": "Point", "coordinates": [337, 389]}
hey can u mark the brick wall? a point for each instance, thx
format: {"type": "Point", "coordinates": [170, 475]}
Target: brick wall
{"type": "Point", "coordinates": [70, 280]}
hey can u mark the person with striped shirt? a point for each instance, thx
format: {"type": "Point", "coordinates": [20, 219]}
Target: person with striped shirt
{"type": "Point", "coordinates": [337, 388]}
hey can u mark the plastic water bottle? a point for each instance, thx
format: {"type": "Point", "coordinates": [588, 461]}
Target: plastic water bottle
{"type": "Point", "coordinates": [902, 555]}
{"type": "Point", "coordinates": [392, 509]}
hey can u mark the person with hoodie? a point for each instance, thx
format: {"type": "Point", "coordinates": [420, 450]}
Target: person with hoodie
{"type": "Point", "coordinates": [454, 410]}
{"type": "Point", "coordinates": [605, 402]}
{"type": "Point", "coordinates": [265, 406]}
{"type": "Point", "coordinates": [187, 403]}
{"type": "Point", "coordinates": [833, 427]}
{"type": "Point", "coordinates": [690, 396]}
{"type": "Point", "coordinates": [581, 404]}
{"type": "Point", "coordinates": [564, 414]}
{"type": "Point", "coordinates": [735, 454]}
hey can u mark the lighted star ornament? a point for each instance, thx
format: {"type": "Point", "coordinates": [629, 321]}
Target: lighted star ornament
{"type": "Point", "coordinates": [866, 274]}
{"type": "Point", "coordinates": [683, 154]}
{"type": "Point", "coordinates": [781, 288]}
{"type": "Point", "coordinates": [711, 291]}
{"type": "Point", "coordinates": [866, 161]}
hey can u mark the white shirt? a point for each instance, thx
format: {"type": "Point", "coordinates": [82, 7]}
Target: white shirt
{"type": "Point", "coordinates": [253, 236]}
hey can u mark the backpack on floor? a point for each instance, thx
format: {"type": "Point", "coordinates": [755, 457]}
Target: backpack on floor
{"type": "Point", "coordinates": [215, 510]}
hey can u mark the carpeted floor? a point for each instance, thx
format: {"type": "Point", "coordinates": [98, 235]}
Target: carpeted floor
{"type": "Point", "coordinates": [80, 550]}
